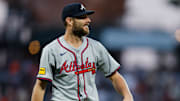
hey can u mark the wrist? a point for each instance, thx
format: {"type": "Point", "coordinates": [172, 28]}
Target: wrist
{"type": "Point", "coordinates": [128, 97]}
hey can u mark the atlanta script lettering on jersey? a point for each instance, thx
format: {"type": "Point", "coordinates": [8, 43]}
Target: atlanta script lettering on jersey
{"type": "Point", "coordinates": [89, 66]}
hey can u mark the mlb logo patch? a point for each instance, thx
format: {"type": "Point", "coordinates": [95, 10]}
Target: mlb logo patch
{"type": "Point", "coordinates": [42, 71]}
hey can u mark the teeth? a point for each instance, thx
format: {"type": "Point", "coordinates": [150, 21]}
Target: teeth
{"type": "Point", "coordinates": [86, 24]}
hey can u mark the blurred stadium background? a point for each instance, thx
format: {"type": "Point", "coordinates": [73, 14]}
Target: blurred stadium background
{"type": "Point", "coordinates": [138, 33]}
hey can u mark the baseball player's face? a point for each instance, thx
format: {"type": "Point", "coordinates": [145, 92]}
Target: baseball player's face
{"type": "Point", "coordinates": [81, 25]}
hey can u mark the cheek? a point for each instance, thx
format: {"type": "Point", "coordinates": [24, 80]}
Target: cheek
{"type": "Point", "coordinates": [78, 25]}
{"type": "Point", "coordinates": [75, 26]}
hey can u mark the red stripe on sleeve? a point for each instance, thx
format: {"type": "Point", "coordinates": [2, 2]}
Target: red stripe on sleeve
{"type": "Point", "coordinates": [44, 79]}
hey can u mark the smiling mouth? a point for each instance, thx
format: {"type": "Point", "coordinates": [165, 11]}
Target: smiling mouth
{"type": "Point", "coordinates": [86, 24]}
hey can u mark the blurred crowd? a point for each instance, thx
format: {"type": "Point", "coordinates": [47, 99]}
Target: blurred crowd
{"type": "Point", "coordinates": [152, 76]}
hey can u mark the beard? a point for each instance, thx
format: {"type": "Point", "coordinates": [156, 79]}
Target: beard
{"type": "Point", "coordinates": [79, 31]}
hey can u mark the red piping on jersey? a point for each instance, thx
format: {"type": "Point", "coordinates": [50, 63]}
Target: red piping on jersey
{"type": "Point", "coordinates": [44, 79]}
{"type": "Point", "coordinates": [75, 62]}
{"type": "Point", "coordinates": [83, 66]}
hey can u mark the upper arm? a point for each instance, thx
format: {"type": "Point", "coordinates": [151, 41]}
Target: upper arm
{"type": "Point", "coordinates": [106, 63]}
{"type": "Point", "coordinates": [46, 65]}
{"type": "Point", "coordinates": [114, 76]}
{"type": "Point", "coordinates": [39, 90]}
{"type": "Point", "coordinates": [41, 84]}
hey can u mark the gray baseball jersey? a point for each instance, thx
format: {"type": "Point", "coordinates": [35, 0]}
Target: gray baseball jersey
{"type": "Point", "coordinates": [72, 71]}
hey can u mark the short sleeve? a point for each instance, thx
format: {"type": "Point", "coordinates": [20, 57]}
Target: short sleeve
{"type": "Point", "coordinates": [46, 64]}
{"type": "Point", "coordinates": [107, 64]}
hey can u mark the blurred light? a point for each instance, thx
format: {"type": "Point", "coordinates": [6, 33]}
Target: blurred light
{"type": "Point", "coordinates": [15, 23]}
{"type": "Point", "coordinates": [3, 13]}
{"type": "Point", "coordinates": [152, 14]}
{"type": "Point", "coordinates": [34, 47]}
{"type": "Point", "coordinates": [14, 67]}
{"type": "Point", "coordinates": [139, 58]}
{"type": "Point", "coordinates": [25, 35]}
{"type": "Point", "coordinates": [117, 39]}
{"type": "Point", "coordinates": [22, 94]}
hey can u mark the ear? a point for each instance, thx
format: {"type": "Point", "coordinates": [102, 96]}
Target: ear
{"type": "Point", "coordinates": [69, 21]}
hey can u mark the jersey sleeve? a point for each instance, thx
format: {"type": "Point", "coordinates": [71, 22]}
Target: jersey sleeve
{"type": "Point", "coordinates": [46, 64]}
{"type": "Point", "coordinates": [107, 64]}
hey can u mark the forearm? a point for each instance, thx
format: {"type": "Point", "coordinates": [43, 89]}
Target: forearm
{"type": "Point", "coordinates": [38, 91]}
{"type": "Point", "coordinates": [121, 86]}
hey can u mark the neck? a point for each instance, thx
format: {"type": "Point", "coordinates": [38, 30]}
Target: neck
{"type": "Point", "coordinates": [72, 39]}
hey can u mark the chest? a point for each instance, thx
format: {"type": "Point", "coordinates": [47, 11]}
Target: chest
{"type": "Point", "coordinates": [76, 62]}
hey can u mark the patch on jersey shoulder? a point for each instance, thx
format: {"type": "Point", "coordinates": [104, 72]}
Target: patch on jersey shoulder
{"type": "Point", "coordinates": [42, 71]}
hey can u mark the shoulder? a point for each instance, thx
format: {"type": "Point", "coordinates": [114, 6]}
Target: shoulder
{"type": "Point", "coordinates": [52, 45]}
{"type": "Point", "coordinates": [97, 44]}
{"type": "Point", "coordinates": [93, 41]}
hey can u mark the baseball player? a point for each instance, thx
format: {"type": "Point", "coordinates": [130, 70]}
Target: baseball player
{"type": "Point", "coordinates": [71, 61]}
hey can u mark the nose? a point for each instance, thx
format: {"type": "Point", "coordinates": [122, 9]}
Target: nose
{"type": "Point", "coordinates": [88, 19]}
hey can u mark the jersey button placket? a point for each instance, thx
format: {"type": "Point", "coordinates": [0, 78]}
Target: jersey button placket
{"type": "Point", "coordinates": [80, 76]}
{"type": "Point", "coordinates": [81, 84]}
{"type": "Point", "coordinates": [77, 70]}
